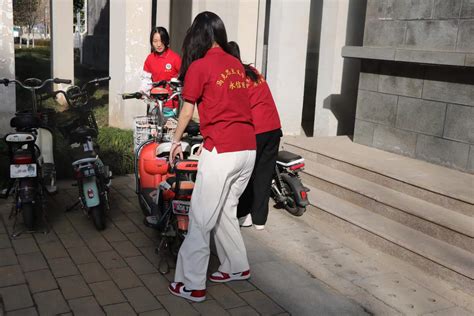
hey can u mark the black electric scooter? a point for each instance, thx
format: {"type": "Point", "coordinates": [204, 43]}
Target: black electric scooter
{"type": "Point", "coordinates": [287, 190]}
{"type": "Point", "coordinates": [32, 170]}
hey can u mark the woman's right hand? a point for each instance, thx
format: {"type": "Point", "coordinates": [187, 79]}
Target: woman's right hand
{"type": "Point", "coordinates": [176, 150]}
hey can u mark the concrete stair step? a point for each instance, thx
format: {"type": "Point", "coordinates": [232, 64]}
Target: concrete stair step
{"type": "Point", "coordinates": [432, 255]}
{"type": "Point", "coordinates": [438, 185]}
{"type": "Point", "coordinates": [434, 220]}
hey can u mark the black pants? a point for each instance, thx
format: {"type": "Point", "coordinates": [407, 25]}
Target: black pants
{"type": "Point", "coordinates": [256, 196]}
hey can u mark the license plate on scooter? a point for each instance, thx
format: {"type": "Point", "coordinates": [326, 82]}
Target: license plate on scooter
{"type": "Point", "coordinates": [23, 171]}
{"type": "Point", "coordinates": [181, 207]}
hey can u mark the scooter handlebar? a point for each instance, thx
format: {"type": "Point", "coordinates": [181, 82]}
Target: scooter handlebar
{"type": "Point", "coordinates": [135, 95]}
{"type": "Point", "coordinates": [59, 80]}
{"type": "Point", "coordinates": [99, 80]}
{"type": "Point", "coordinates": [77, 95]}
{"type": "Point", "coordinates": [161, 83]}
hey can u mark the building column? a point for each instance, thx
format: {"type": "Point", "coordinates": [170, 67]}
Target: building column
{"type": "Point", "coordinates": [129, 47]}
{"type": "Point", "coordinates": [163, 10]}
{"type": "Point", "coordinates": [62, 41]}
{"type": "Point", "coordinates": [287, 45]}
{"type": "Point", "coordinates": [240, 19]}
{"type": "Point", "coordinates": [337, 79]}
{"type": "Point", "coordinates": [7, 65]}
{"type": "Point", "coordinates": [260, 49]}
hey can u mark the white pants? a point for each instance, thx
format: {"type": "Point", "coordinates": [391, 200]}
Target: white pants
{"type": "Point", "coordinates": [220, 181]}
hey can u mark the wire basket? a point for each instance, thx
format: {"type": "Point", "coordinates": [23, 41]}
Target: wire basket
{"type": "Point", "coordinates": [145, 128]}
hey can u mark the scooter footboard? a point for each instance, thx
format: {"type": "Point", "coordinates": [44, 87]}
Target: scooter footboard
{"type": "Point", "coordinates": [45, 142]}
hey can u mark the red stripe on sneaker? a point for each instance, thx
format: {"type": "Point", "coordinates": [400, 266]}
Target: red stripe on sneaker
{"type": "Point", "coordinates": [198, 293]}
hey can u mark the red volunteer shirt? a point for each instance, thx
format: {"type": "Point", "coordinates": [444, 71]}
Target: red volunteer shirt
{"type": "Point", "coordinates": [217, 84]}
{"type": "Point", "coordinates": [264, 112]}
{"type": "Point", "coordinates": [163, 67]}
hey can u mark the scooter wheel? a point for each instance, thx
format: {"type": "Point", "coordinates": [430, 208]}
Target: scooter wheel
{"type": "Point", "coordinates": [28, 211]}
{"type": "Point", "coordinates": [98, 217]}
{"type": "Point", "coordinates": [291, 205]}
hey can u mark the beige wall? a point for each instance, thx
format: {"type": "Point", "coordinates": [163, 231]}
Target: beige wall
{"type": "Point", "coordinates": [163, 13]}
{"type": "Point", "coordinates": [289, 21]}
{"type": "Point", "coordinates": [241, 21]}
{"type": "Point", "coordinates": [129, 46]}
{"type": "Point", "coordinates": [7, 65]}
{"type": "Point", "coordinates": [342, 25]}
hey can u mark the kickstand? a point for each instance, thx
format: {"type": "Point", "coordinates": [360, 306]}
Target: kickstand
{"type": "Point", "coordinates": [70, 208]}
{"type": "Point", "coordinates": [34, 231]}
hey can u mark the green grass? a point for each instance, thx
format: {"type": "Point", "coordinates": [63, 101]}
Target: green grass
{"type": "Point", "coordinates": [116, 149]}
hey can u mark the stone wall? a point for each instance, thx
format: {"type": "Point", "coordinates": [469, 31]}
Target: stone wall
{"type": "Point", "coordinates": [420, 103]}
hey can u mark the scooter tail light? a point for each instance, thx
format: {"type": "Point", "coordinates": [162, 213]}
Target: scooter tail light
{"type": "Point", "coordinates": [22, 159]}
{"type": "Point", "coordinates": [304, 195]}
{"type": "Point", "coordinates": [77, 173]}
{"type": "Point", "coordinates": [183, 222]}
{"type": "Point", "coordinates": [90, 193]}
{"type": "Point", "coordinates": [296, 167]}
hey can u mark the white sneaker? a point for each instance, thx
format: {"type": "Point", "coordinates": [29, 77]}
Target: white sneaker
{"type": "Point", "coordinates": [259, 227]}
{"type": "Point", "coordinates": [245, 221]}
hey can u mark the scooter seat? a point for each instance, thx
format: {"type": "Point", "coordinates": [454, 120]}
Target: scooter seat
{"type": "Point", "coordinates": [193, 128]}
{"type": "Point", "coordinates": [287, 157]}
{"type": "Point", "coordinates": [83, 132]}
{"type": "Point", "coordinates": [24, 120]}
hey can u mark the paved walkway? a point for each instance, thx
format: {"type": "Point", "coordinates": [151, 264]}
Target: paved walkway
{"type": "Point", "coordinates": [76, 269]}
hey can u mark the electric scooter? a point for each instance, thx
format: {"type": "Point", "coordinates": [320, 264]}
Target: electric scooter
{"type": "Point", "coordinates": [164, 192]}
{"type": "Point", "coordinates": [92, 176]}
{"type": "Point", "coordinates": [287, 190]}
{"type": "Point", "coordinates": [32, 170]}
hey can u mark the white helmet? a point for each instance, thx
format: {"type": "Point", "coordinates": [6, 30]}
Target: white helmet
{"type": "Point", "coordinates": [163, 149]}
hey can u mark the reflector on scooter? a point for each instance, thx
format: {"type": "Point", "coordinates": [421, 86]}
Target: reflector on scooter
{"type": "Point", "coordinates": [296, 167]}
{"type": "Point", "coordinates": [90, 193]}
{"type": "Point", "coordinates": [304, 195]}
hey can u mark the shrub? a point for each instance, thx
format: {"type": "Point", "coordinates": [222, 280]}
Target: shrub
{"type": "Point", "coordinates": [116, 149]}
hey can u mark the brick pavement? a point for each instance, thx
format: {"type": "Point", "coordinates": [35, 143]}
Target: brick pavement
{"type": "Point", "coordinates": [76, 269]}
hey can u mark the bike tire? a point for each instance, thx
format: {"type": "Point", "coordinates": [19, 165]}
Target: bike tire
{"type": "Point", "coordinates": [98, 217]}
{"type": "Point", "coordinates": [291, 206]}
{"type": "Point", "coordinates": [28, 211]}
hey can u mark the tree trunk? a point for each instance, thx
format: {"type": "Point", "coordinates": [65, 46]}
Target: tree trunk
{"type": "Point", "coordinates": [21, 36]}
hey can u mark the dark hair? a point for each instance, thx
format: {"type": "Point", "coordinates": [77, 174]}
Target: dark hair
{"type": "Point", "coordinates": [234, 50]}
{"type": "Point", "coordinates": [165, 37]}
{"type": "Point", "coordinates": [206, 29]}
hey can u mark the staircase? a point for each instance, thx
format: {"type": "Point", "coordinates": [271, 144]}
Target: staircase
{"type": "Point", "coordinates": [416, 211]}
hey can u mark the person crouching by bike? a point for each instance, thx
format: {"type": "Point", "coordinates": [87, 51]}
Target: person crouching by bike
{"type": "Point", "coordinates": [161, 64]}
{"type": "Point", "coordinates": [253, 204]}
{"type": "Point", "coordinates": [215, 80]}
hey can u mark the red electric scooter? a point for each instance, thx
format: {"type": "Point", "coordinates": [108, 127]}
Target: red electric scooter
{"type": "Point", "coordinates": [164, 192]}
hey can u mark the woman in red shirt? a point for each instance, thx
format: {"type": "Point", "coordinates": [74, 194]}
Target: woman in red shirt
{"type": "Point", "coordinates": [215, 81]}
{"type": "Point", "coordinates": [162, 63]}
{"type": "Point", "coordinates": [253, 204]}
